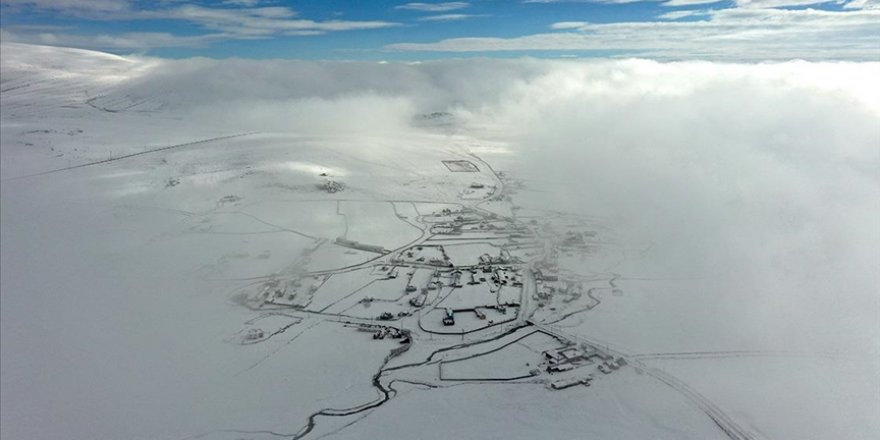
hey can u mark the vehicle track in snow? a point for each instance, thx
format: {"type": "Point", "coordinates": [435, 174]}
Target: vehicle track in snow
{"type": "Point", "coordinates": [128, 156]}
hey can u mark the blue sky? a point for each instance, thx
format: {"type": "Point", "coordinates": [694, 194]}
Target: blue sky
{"type": "Point", "coordinates": [399, 30]}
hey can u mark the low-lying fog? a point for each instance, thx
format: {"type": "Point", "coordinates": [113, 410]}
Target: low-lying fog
{"type": "Point", "coordinates": [763, 180]}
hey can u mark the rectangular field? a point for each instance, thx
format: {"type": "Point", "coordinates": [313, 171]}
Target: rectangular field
{"type": "Point", "coordinates": [461, 166]}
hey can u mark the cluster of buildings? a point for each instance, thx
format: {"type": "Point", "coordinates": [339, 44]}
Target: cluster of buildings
{"type": "Point", "coordinates": [290, 293]}
{"type": "Point", "coordinates": [501, 276]}
{"type": "Point", "coordinates": [392, 332]}
{"type": "Point", "coordinates": [573, 356]}
{"type": "Point", "coordinates": [415, 255]}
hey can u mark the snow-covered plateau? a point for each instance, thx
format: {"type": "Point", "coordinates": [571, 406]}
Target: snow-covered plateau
{"type": "Point", "coordinates": [458, 249]}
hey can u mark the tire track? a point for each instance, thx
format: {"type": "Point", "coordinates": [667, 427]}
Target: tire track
{"type": "Point", "coordinates": [127, 156]}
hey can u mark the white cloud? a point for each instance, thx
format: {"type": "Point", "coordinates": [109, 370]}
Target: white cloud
{"type": "Point", "coordinates": [737, 33]}
{"type": "Point", "coordinates": [41, 27]}
{"type": "Point", "coordinates": [223, 23]}
{"type": "Point", "coordinates": [568, 25]}
{"type": "Point", "coordinates": [688, 2]}
{"type": "Point", "coordinates": [130, 41]}
{"type": "Point", "coordinates": [779, 3]}
{"type": "Point", "coordinates": [740, 3]}
{"type": "Point", "coordinates": [722, 162]}
{"type": "Point", "coordinates": [583, 1]}
{"type": "Point", "coordinates": [675, 15]}
{"type": "Point", "coordinates": [447, 17]}
{"type": "Point", "coordinates": [261, 21]}
{"type": "Point", "coordinates": [245, 3]}
{"type": "Point", "coordinates": [862, 4]}
{"type": "Point", "coordinates": [433, 7]}
{"type": "Point", "coordinates": [82, 8]}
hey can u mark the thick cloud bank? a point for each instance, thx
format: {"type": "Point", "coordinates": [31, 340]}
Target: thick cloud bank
{"type": "Point", "coordinates": [759, 180]}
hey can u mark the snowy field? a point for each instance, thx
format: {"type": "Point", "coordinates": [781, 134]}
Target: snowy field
{"type": "Point", "coordinates": [152, 210]}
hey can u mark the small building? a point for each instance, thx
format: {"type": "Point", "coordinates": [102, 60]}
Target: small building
{"type": "Point", "coordinates": [456, 279]}
{"type": "Point", "coordinates": [552, 355]}
{"type": "Point", "coordinates": [418, 301]}
{"type": "Point", "coordinates": [449, 317]}
{"type": "Point", "coordinates": [568, 383]}
{"type": "Point", "coordinates": [473, 279]}
{"type": "Point", "coordinates": [559, 368]}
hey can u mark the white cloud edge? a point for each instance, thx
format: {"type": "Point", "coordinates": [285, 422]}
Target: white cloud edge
{"type": "Point", "coordinates": [248, 20]}
{"type": "Point", "coordinates": [433, 7]}
{"type": "Point", "coordinates": [733, 33]}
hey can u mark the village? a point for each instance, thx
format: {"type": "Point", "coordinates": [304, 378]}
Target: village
{"type": "Point", "coordinates": [476, 276]}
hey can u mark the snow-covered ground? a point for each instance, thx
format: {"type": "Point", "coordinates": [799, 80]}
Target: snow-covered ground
{"type": "Point", "coordinates": [171, 266]}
